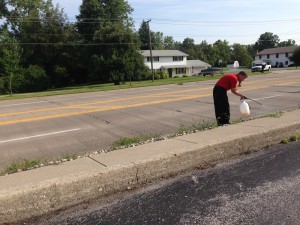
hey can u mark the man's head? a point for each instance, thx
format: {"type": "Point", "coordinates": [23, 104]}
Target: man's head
{"type": "Point", "coordinates": [241, 76]}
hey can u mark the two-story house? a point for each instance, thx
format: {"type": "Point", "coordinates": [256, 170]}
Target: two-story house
{"type": "Point", "coordinates": [277, 57]}
{"type": "Point", "coordinates": [174, 61]}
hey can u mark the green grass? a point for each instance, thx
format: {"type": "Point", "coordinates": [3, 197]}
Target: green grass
{"type": "Point", "coordinates": [110, 86]}
{"type": "Point", "coordinates": [107, 87]}
{"type": "Point", "coordinates": [127, 141]}
{"type": "Point", "coordinates": [275, 114]}
{"type": "Point", "coordinates": [22, 166]}
{"type": "Point", "coordinates": [198, 126]}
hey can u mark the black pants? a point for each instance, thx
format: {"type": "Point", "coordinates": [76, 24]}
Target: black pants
{"type": "Point", "coordinates": [222, 108]}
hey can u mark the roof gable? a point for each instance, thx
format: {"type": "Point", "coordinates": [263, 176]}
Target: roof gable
{"type": "Point", "coordinates": [288, 49]}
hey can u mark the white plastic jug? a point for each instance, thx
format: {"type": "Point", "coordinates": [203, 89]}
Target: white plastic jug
{"type": "Point", "coordinates": [244, 108]}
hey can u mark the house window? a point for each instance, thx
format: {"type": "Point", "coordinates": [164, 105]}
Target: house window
{"type": "Point", "coordinates": [268, 56]}
{"type": "Point", "coordinates": [180, 70]}
{"type": "Point", "coordinates": [155, 59]}
{"type": "Point", "coordinates": [286, 54]}
{"type": "Point", "coordinates": [260, 57]}
{"type": "Point", "coordinates": [177, 58]}
{"type": "Point", "coordinates": [286, 62]}
{"type": "Point", "coordinates": [277, 55]}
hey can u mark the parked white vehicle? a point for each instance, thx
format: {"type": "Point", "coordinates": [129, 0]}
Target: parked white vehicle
{"type": "Point", "coordinates": [260, 66]}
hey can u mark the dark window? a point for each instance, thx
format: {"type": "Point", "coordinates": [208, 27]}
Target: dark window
{"type": "Point", "coordinates": [277, 55]}
{"type": "Point", "coordinates": [286, 54]}
{"type": "Point", "coordinates": [260, 57]}
{"type": "Point", "coordinates": [286, 62]}
{"type": "Point", "coordinates": [180, 70]}
{"type": "Point", "coordinates": [268, 56]}
{"type": "Point", "coordinates": [177, 58]}
{"type": "Point", "coordinates": [155, 59]}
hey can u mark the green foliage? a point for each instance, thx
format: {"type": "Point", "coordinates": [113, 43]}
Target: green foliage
{"type": "Point", "coordinates": [295, 137]}
{"type": "Point", "coordinates": [284, 141]}
{"type": "Point", "coordinates": [164, 74]}
{"type": "Point", "coordinates": [296, 56]}
{"type": "Point", "coordinates": [185, 75]}
{"type": "Point", "coordinates": [34, 78]}
{"type": "Point", "coordinates": [198, 126]}
{"type": "Point", "coordinates": [22, 166]}
{"type": "Point", "coordinates": [241, 54]}
{"type": "Point", "coordinates": [10, 54]}
{"type": "Point", "coordinates": [101, 46]}
{"type": "Point", "coordinates": [61, 76]}
{"type": "Point", "coordinates": [267, 40]}
{"type": "Point", "coordinates": [127, 141]}
{"type": "Point", "coordinates": [156, 75]}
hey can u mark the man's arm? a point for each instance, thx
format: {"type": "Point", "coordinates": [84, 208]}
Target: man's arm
{"type": "Point", "coordinates": [235, 91]}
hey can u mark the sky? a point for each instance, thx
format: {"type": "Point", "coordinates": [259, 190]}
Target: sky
{"type": "Point", "coordinates": [236, 21]}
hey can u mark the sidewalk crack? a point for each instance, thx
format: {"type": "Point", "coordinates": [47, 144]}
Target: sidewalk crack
{"type": "Point", "coordinates": [97, 161]}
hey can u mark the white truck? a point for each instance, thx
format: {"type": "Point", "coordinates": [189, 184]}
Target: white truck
{"type": "Point", "coordinates": [260, 66]}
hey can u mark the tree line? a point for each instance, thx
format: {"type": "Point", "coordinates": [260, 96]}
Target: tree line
{"type": "Point", "coordinates": [41, 49]}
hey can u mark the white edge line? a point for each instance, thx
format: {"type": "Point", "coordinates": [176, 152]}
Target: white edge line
{"type": "Point", "coordinates": [40, 135]}
{"type": "Point", "coordinates": [274, 96]}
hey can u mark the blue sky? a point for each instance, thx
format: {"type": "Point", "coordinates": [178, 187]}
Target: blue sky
{"type": "Point", "coordinates": [235, 21]}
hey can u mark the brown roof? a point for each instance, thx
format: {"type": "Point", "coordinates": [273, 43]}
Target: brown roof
{"type": "Point", "coordinates": [277, 50]}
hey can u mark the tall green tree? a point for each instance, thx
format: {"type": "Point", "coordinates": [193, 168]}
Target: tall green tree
{"type": "Point", "coordinates": [267, 40]}
{"type": "Point", "coordinates": [43, 30]}
{"type": "Point", "coordinates": [108, 33]}
{"type": "Point", "coordinates": [188, 43]}
{"type": "Point", "coordinates": [157, 38]}
{"type": "Point", "coordinates": [169, 43]}
{"type": "Point", "coordinates": [222, 49]}
{"type": "Point", "coordinates": [240, 53]}
{"type": "Point", "coordinates": [10, 53]}
{"type": "Point", "coordinates": [144, 35]}
{"type": "Point", "coordinates": [287, 43]}
{"type": "Point", "coordinates": [158, 41]}
{"type": "Point", "coordinates": [296, 56]}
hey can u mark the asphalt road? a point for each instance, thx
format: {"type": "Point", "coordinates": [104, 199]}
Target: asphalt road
{"type": "Point", "coordinates": [261, 188]}
{"type": "Point", "coordinates": [50, 127]}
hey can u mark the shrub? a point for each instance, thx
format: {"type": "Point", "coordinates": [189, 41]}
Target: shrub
{"type": "Point", "coordinates": [157, 75]}
{"type": "Point", "coordinates": [164, 74]}
{"type": "Point", "coordinates": [185, 75]}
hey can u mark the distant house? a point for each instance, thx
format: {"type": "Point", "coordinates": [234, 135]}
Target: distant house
{"type": "Point", "coordinates": [174, 61]}
{"type": "Point", "coordinates": [277, 57]}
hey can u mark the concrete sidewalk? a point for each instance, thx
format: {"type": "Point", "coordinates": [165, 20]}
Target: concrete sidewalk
{"type": "Point", "coordinates": [35, 192]}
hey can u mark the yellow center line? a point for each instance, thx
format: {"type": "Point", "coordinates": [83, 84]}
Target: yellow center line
{"type": "Point", "coordinates": [103, 108]}
{"type": "Point", "coordinates": [119, 100]}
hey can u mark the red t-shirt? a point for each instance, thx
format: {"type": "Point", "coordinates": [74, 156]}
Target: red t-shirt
{"type": "Point", "coordinates": [228, 81]}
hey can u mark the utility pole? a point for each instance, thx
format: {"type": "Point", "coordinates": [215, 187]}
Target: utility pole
{"type": "Point", "coordinates": [150, 47]}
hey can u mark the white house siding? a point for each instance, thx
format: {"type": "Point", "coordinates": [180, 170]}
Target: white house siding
{"type": "Point", "coordinates": [165, 61]}
{"type": "Point", "coordinates": [270, 56]}
{"type": "Point", "coordinates": [174, 68]}
{"type": "Point", "coordinates": [274, 61]}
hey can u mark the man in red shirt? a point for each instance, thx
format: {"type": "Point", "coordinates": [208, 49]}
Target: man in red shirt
{"type": "Point", "coordinates": [225, 83]}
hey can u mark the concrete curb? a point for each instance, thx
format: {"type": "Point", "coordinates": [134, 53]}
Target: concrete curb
{"type": "Point", "coordinates": [36, 192]}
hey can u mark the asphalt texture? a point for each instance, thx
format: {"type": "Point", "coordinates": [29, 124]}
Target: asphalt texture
{"type": "Point", "coordinates": [260, 188]}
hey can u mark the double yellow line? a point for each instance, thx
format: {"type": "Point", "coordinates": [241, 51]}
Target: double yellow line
{"type": "Point", "coordinates": [107, 108]}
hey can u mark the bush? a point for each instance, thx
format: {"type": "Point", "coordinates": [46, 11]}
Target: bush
{"type": "Point", "coordinates": [185, 75]}
{"type": "Point", "coordinates": [164, 74]}
{"type": "Point", "coordinates": [61, 76]}
{"type": "Point", "coordinates": [157, 75]}
{"type": "Point", "coordinates": [176, 76]}
{"type": "Point", "coordinates": [32, 79]}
